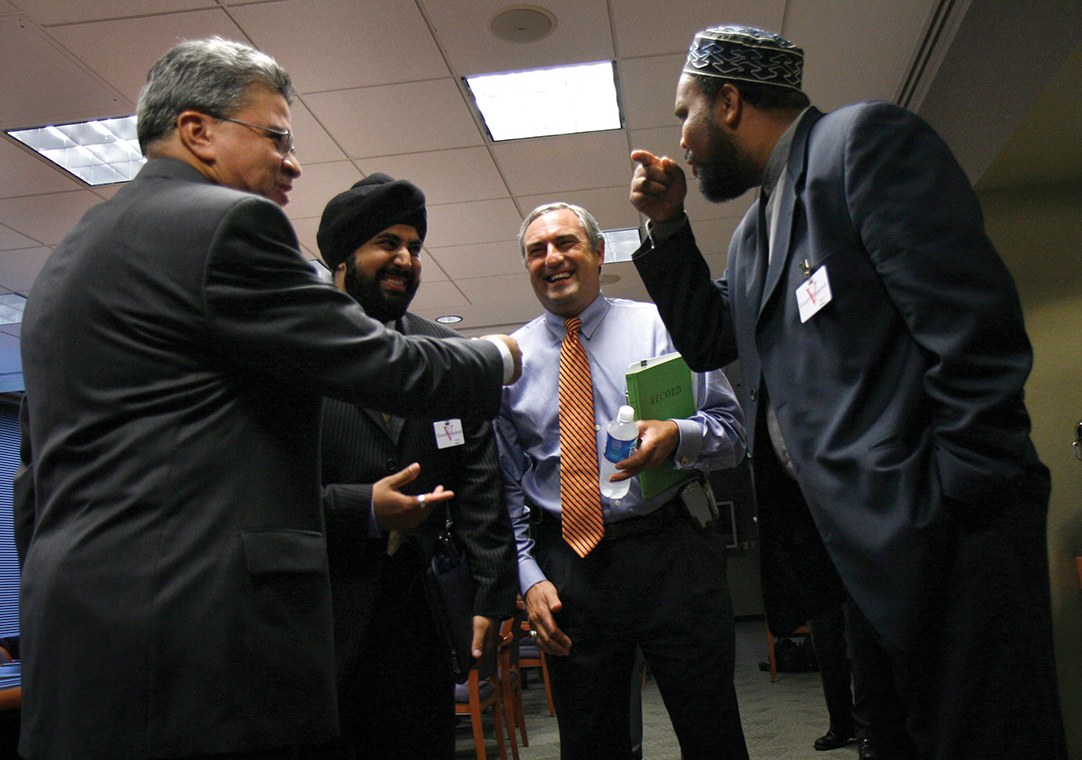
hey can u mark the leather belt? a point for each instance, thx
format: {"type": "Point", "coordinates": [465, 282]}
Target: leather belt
{"type": "Point", "coordinates": [643, 525]}
{"type": "Point", "coordinates": [639, 525]}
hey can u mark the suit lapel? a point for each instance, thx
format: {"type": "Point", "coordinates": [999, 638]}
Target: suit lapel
{"type": "Point", "coordinates": [790, 184]}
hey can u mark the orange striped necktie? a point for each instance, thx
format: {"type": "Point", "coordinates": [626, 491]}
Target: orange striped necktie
{"type": "Point", "coordinates": [580, 499]}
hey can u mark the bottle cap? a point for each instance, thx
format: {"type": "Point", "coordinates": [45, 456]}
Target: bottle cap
{"type": "Point", "coordinates": [626, 414]}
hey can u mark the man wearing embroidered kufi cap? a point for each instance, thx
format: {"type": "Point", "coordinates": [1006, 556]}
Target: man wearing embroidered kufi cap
{"type": "Point", "coordinates": [884, 355]}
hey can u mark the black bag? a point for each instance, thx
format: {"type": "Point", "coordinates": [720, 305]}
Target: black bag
{"type": "Point", "coordinates": [450, 588]}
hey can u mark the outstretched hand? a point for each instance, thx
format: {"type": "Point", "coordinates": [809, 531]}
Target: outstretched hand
{"type": "Point", "coordinates": [399, 511]}
{"type": "Point", "coordinates": [658, 187]}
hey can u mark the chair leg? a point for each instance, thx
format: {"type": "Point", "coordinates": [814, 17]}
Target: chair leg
{"type": "Point", "coordinates": [478, 735]}
{"type": "Point", "coordinates": [548, 686]}
{"type": "Point", "coordinates": [497, 721]}
{"type": "Point", "coordinates": [520, 717]}
{"type": "Point", "coordinates": [770, 655]}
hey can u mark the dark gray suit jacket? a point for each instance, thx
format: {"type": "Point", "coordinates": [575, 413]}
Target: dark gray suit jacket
{"type": "Point", "coordinates": [901, 400]}
{"type": "Point", "coordinates": [359, 448]}
{"type": "Point", "coordinates": [175, 595]}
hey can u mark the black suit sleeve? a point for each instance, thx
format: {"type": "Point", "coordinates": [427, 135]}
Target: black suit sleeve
{"type": "Point", "coordinates": [313, 335]}
{"type": "Point", "coordinates": [695, 309]}
{"type": "Point", "coordinates": [482, 524]}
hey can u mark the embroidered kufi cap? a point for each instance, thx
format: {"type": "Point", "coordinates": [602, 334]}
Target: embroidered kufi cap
{"type": "Point", "coordinates": [746, 54]}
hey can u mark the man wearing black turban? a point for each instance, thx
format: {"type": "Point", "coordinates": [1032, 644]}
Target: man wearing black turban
{"type": "Point", "coordinates": [394, 679]}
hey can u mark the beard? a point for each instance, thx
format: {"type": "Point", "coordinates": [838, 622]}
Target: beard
{"type": "Point", "coordinates": [378, 304]}
{"type": "Point", "coordinates": [725, 175]}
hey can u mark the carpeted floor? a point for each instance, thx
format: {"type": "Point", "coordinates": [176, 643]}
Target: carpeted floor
{"type": "Point", "coordinates": [781, 720]}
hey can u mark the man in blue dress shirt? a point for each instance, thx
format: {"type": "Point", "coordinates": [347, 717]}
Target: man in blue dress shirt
{"type": "Point", "coordinates": [657, 578]}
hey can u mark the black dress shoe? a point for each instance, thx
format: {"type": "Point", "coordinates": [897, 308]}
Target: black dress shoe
{"type": "Point", "coordinates": [865, 750]}
{"type": "Point", "coordinates": [831, 740]}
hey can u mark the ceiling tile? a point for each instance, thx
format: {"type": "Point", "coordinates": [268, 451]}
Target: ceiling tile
{"type": "Point", "coordinates": [316, 186]}
{"type": "Point", "coordinates": [11, 240]}
{"type": "Point", "coordinates": [502, 290]}
{"type": "Point", "coordinates": [405, 118]}
{"type": "Point", "coordinates": [344, 44]}
{"type": "Point", "coordinates": [39, 84]}
{"type": "Point", "coordinates": [545, 165]}
{"type": "Point", "coordinates": [581, 36]}
{"type": "Point", "coordinates": [65, 210]}
{"type": "Point", "coordinates": [609, 205]}
{"type": "Point", "coordinates": [825, 32]}
{"type": "Point", "coordinates": [122, 51]}
{"type": "Point", "coordinates": [657, 76]}
{"type": "Point", "coordinates": [639, 33]}
{"type": "Point", "coordinates": [18, 269]}
{"type": "Point", "coordinates": [26, 173]}
{"type": "Point", "coordinates": [314, 145]}
{"type": "Point", "coordinates": [479, 259]}
{"type": "Point", "coordinates": [448, 176]}
{"type": "Point", "coordinates": [475, 222]}
{"type": "Point", "coordinates": [49, 12]}
{"type": "Point", "coordinates": [438, 295]}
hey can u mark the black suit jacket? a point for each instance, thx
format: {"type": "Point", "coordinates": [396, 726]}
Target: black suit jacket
{"type": "Point", "coordinates": [359, 448]}
{"type": "Point", "coordinates": [175, 595]}
{"type": "Point", "coordinates": [900, 401]}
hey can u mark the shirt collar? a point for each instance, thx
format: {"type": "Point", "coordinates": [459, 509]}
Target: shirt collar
{"type": "Point", "coordinates": [779, 157]}
{"type": "Point", "coordinates": [591, 318]}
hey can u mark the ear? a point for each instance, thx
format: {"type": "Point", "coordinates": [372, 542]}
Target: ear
{"type": "Point", "coordinates": [339, 277]}
{"type": "Point", "coordinates": [728, 105]}
{"type": "Point", "coordinates": [601, 252]}
{"type": "Point", "coordinates": [196, 133]}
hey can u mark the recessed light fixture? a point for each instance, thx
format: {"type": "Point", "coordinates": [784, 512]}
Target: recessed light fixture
{"type": "Point", "coordinates": [449, 319]}
{"type": "Point", "coordinates": [620, 244]}
{"type": "Point", "coordinates": [99, 152]}
{"type": "Point", "coordinates": [551, 101]}
{"type": "Point", "coordinates": [11, 308]}
{"type": "Point", "coordinates": [522, 23]}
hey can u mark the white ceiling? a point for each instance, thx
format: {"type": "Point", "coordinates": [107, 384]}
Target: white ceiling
{"type": "Point", "coordinates": [379, 89]}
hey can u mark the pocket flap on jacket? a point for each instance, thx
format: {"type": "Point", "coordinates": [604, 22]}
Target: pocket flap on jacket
{"type": "Point", "coordinates": [284, 551]}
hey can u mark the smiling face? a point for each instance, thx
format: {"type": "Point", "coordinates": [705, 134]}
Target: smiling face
{"type": "Point", "coordinates": [247, 158]}
{"type": "Point", "coordinates": [565, 271]}
{"type": "Point", "coordinates": [383, 274]}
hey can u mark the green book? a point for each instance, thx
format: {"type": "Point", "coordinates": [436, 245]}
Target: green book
{"type": "Point", "coordinates": [660, 389]}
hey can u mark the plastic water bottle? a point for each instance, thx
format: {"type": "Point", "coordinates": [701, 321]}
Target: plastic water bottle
{"type": "Point", "coordinates": [619, 443]}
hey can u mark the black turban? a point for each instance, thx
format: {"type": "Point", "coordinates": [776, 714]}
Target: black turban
{"type": "Point", "coordinates": [354, 217]}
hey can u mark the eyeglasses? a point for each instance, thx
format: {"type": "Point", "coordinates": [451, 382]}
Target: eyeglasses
{"type": "Point", "coordinates": [282, 138]}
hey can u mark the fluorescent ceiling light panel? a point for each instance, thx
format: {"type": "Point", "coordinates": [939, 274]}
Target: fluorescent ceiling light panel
{"type": "Point", "coordinates": [99, 152]}
{"type": "Point", "coordinates": [540, 102]}
{"type": "Point", "coordinates": [620, 244]}
{"type": "Point", "coordinates": [11, 308]}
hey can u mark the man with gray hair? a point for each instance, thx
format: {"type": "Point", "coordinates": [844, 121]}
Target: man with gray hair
{"type": "Point", "coordinates": [175, 599]}
{"type": "Point", "coordinates": [602, 576]}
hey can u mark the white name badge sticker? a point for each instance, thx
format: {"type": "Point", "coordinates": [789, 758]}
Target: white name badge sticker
{"type": "Point", "coordinates": [813, 294]}
{"type": "Point", "coordinates": [449, 433]}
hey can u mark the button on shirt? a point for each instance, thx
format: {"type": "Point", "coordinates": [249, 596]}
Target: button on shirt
{"type": "Point", "coordinates": [615, 333]}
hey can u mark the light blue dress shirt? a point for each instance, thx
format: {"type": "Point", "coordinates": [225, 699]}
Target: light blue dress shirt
{"type": "Point", "coordinates": [615, 332]}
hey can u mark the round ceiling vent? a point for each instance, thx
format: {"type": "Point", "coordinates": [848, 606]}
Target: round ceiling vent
{"type": "Point", "coordinates": [522, 23]}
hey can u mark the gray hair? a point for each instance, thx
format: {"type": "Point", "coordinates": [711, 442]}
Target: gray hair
{"type": "Point", "coordinates": [213, 76]}
{"type": "Point", "coordinates": [586, 219]}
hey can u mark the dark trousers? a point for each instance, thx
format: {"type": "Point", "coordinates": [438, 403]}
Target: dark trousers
{"type": "Point", "coordinates": [397, 700]}
{"type": "Point", "coordinates": [667, 593]}
{"type": "Point", "coordinates": [844, 687]}
{"type": "Point", "coordinates": [982, 683]}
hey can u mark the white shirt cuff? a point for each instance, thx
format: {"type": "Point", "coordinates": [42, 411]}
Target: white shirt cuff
{"type": "Point", "coordinates": [505, 354]}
